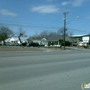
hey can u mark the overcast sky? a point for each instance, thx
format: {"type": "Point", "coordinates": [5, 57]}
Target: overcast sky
{"type": "Point", "coordinates": [35, 16]}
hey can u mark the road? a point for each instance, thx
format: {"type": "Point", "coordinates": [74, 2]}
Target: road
{"type": "Point", "coordinates": [56, 70]}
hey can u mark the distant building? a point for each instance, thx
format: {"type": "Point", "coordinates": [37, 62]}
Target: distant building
{"type": "Point", "coordinates": [54, 39]}
{"type": "Point", "coordinates": [86, 38]}
{"type": "Point", "coordinates": [83, 38]}
{"type": "Point", "coordinates": [15, 40]}
{"type": "Point", "coordinates": [42, 41]}
{"type": "Point", "coordinates": [58, 37]}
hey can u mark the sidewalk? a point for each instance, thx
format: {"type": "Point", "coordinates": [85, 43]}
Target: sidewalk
{"type": "Point", "coordinates": [18, 48]}
{"type": "Point", "coordinates": [33, 49]}
{"type": "Point", "coordinates": [77, 48]}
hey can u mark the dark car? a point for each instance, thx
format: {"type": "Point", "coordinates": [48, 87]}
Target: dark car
{"type": "Point", "coordinates": [74, 44]}
{"type": "Point", "coordinates": [33, 45]}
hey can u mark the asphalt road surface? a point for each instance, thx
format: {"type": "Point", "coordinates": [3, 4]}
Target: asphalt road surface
{"type": "Point", "coordinates": [57, 70]}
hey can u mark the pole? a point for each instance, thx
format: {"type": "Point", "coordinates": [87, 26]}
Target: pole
{"type": "Point", "coordinates": [64, 28]}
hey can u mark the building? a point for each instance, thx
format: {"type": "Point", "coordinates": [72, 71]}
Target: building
{"type": "Point", "coordinates": [50, 40]}
{"type": "Point", "coordinates": [15, 41]}
{"type": "Point", "coordinates": [81, 38]}
{"type": "Point", "coordinates": [86, 38]}
{"type": "Point", "coordinates": [56, 39]}
{"type": "Point", "coordinates": [42, 41]}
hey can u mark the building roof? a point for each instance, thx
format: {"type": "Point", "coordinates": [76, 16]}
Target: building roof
{"type": "Point", "coordinates": [80, 35]}
{"type": "Point", "coordinates": [16, 39]}
{"type": "Point", "coordinates": [54, 38]}
{"type": "Point", "coordinates": [58, 37]}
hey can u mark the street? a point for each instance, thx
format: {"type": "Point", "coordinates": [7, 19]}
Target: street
{"type": "Point", "coordinates": [56, 70]}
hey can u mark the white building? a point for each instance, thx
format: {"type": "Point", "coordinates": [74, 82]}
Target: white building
{"type": "Point", "coordinates": [15, 40]}
{"type": "Point", "coordinates": [86, 39]}
{"type": "Point", "coordinates": [83, 38]}
{"type": "Point", "coordinates": [41, 42]}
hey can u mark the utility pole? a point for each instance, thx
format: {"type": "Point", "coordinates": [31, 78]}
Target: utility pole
{"type": "Point", "coordinates": [64, 39]}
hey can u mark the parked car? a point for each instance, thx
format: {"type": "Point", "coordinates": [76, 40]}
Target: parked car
{"type": "Point", "coordinates": [74, 44]}
{"type": "Point", "coordinates": [33, 44]}
{"type": "Point", "coordinates": [0, 43]}
{"type": "Point", "coordinates": [55, 46]}
{"type": "Point", "coordinates": [82, 44]}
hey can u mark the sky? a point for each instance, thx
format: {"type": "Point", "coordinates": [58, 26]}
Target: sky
{"type": "Point", "coordinates": [35, 16]}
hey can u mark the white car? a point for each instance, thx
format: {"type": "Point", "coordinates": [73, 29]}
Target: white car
{"type": "Point", "coordinates": [56, 45]}
{"type": "Point", "coordinates": [82, 44]}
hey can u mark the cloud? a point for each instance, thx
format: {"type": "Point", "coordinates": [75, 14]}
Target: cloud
{"type": "Point", "coordinates": [65, 3]}
{"type": "Point", "coordinates": [45, 9]}
{"type": "Point", "coordinates": [76, 3]}
{"type": "Point", "coordinates": [88, 17]}
{"type": "Point", "coordinates": [7, 13]}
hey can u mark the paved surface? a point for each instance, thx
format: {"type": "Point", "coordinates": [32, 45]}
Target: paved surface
{"type": "Point", "coordinates": [19, 48]}
{"type": "Point", "coordinates": [61, 70]}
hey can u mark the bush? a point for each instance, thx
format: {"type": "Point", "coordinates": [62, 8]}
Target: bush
{"type": "Point", "coordinates": [67, 43]}
{"type": "Point", "coordinates": [24, 44]}
{"type": "Point", "coordinates": [85, 47]}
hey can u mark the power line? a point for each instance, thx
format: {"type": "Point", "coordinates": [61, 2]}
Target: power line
{"type": "Point", "coordinates": [27, 25]}
{"type": "Point", "coordinates": [36, 26]}
{"type": "Point", "coordinates": [77, 30]}
{"type": "Point", "coordinates": [24, 1]}
{"type": "Point", "coordinates": [27, 2]}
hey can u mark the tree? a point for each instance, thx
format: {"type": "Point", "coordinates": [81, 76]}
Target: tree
{"type": "Point", "coordinates": [61, 31]}
{"type": "Point", "coordinates": [47, 35]}
{"type": "Point", "coordinates": [5, 33]}
{"type": "Point", "coordinates": [44, 33]}
{"type": "Point", "coordinates": [21, 33]}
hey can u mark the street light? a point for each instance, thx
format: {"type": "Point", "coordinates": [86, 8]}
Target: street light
{"type": "Point", "coordinates": [73, 19]}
